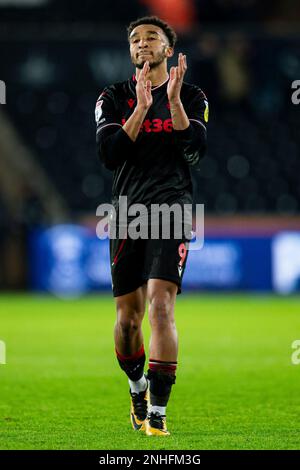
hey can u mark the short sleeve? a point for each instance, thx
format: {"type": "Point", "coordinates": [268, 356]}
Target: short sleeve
{"type": "Point", "coordinates": [198, 109]}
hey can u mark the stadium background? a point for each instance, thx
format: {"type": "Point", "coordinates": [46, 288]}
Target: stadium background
{"type": "Point", "coordinates": [239, 313]}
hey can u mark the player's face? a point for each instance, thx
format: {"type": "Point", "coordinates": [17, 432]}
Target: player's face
{"type": "Point", "coordinates": [148, 42]}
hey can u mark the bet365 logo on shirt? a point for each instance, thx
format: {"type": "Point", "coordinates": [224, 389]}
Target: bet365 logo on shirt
{"type": "Point", "coordinates": [155, 125]}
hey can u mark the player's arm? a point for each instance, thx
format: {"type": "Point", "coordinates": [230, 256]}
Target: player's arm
{"type": "Point", "coordinates": [188, 124]}
{"type": "Point", "coordinates": [144, 101]}
{"type": "Point", "coordinates": [114, 146]}
{"type": "Point", "coordinates": [115, 143]}
{"type": "Point", "coordinates": [193, 138]}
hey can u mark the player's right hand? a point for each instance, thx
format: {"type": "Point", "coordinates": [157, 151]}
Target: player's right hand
{"type": "Point", "coordinates": [143, 88]}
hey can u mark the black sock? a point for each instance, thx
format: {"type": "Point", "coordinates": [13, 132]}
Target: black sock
{"type": "Point", "coordinates": [162, 376]}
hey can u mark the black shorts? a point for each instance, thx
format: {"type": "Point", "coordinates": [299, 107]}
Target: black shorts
{"type": "Point", "coordinates": [133, 262]}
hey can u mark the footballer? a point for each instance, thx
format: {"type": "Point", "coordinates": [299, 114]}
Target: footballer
{"type": "Point", "coordinates": [151, 129]}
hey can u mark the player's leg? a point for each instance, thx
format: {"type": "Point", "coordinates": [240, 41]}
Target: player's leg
{"type": "Point", "coordinates": [130, 310]}
{"type": "Point", "coordinates": [164, 340]}
{"type": "Point", "coordinates": [130, 350]}
{"type": "Point", "coordinates": [163, 351]}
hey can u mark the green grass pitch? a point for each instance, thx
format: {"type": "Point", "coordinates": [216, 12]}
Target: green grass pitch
{"type": "Point", "coordinates": [236, 386]}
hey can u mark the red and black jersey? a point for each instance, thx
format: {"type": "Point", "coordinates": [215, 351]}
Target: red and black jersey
{"type": "Point", "coordinates": [155, 169]}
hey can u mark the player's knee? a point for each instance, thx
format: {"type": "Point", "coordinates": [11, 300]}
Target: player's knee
{"type": "Point", "coordinates": [129, 322]}
{"type": "Point", "coordinates": [160, 310]}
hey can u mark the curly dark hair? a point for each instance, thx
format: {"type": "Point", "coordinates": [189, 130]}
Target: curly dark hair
{"type": "Point", "coordinates": [169, 32]}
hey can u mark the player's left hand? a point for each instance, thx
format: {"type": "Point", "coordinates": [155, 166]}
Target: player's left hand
{"type": "Point", "coordinates": [176, 79]}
